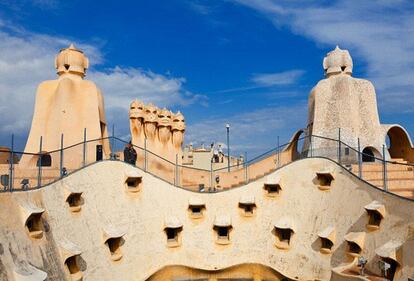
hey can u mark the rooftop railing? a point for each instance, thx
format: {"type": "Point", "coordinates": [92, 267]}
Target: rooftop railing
{"type": "Point", "coordinates": [23, 171]}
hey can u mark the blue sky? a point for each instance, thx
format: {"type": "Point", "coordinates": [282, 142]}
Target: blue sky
{"type": "Point", "coordinates": [251, 63]}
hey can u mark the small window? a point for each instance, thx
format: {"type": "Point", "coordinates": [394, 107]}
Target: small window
{"type": "Point", "coordinates": [72, 264]}
{"type": "Point", "coordinates": [283, 237]}
{"type": "Point", "coordinates": [223, 234]}
{"type": "Point", "coordinates": [114, 246]}
{"type": "Point", "coordinates": [324, 180]}
{"type": "Point", "coordinates": [248, 209]}
{"type": "Point", "coordinates": [133, 184]}
{"type": "Point", "coordinates": [44, 160]}
{"type": "Point", "coordinates": [326, 245]}
{"type": "Point", "coordinates": [173, 236]}
{"type": "Point", "coordinates": [272, 190]}
{"type": "Point", "coordinates": [34, 225]}
{"type": "Point", "coordinates": [75, 201]}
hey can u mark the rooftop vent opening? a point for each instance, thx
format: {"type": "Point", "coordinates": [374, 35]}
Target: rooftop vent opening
{"type": "Point", "coordinates": [326, 245]}
{"type": "Point", "coordinates": [72, 264]}
{"type": "Point", "coordinates": [223, 234]}
{"type": "Point", "coordinates": [34, 225]}
{"type": "Point", "coordinates": [376, 213]}
{"type": "Point", "coordinates": [354, 249]}
{"type": "Point", "coordinates": [248, 209]}
{"type": "Point", "coordinates": [374, 219]}
{"type": "Point", "coordinates": [324, 180]}
{"type": "Point", "coordinates": [114, 246]}
{"type": "Point", "coordinates": [133, 184]}
{"type": "Point", "coordinates": [283, 237]}
{"type": "Point", "coordinates": [388, 268]}
{"type": "Point", "coordinates": [272, 190]}
{"type": "Point", "coordinates": [196, 211]}
{"type": "Point", "coordinates": [173, 236]}
{"type": "Point", "coordinates": [75, 201]}
{"type": "Point", "coordinates": [327, 239]}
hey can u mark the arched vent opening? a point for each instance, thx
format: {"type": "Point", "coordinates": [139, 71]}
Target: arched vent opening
{"type": "Point", "coordinates": [173, 236]}
{"type": "Point", "coordinates": [223, 234]}
{"type": "Point", "coordinates": [368, 155]}
{"type": "Point", "coordinates": [324, 180]}
{"type": "Point", "coordinates": [114, 245]}
{"type": "Point", "coordinates": [222, 227]}
{"type": "Point", "coordinates": [354, 248]}
{"type": "Point", "coordinates": [75, 202]}
{"type": "Point", "coordinates": [133, 183]}
{"type": "Point", "coordinates": [327, 238]}
{"type": "Point", "coordinates": [388, 268]}
{"type": "Point", "coordinates": [34, 225]}
{"type": "Point", "coordinates": [375, 219]}
{"type": "Point", "coordinates": [283, 237]}
{"type": "Point", "coordinates": [196, 211]}
{"type": "Point", "coordinates": [247, 205]}
{"type": "Point", "coordinates": [72, 265]}
{"type": "Point", "coordinates": [272, 189]}
{"type": "Point", "coordinates": [326, 245]}
{"type": "Point", "coordinates": [355, 243]}
{"type": "Point", "coordinates": [248, 209]}
{"type": "Point", "coordinates": [376, 213]}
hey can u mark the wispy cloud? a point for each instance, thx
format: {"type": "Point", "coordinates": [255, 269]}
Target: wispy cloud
{"type": "Point", "coordinates": [268, 80]}
{"type": "Point", "coordinates": [19, 5]}
{"type": "Point", "coordinates": [199, 8]}
{"type": "Point", "coordinates": [276, 79]}
{"type": "Point", "coordinates": [379, 33]}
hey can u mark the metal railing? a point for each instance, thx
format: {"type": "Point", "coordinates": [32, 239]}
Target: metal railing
{"type": "Point", "coordinates": [36, 170]}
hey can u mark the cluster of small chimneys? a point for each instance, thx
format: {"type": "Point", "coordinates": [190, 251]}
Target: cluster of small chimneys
{"type": "Point", "coordinates": [163, 129]}
{"type": "Point", "coordinates": [152, 114]}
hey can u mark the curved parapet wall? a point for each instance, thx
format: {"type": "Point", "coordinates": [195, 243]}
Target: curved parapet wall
{"type": "Point", "coordinates": [242, 272]}
{"type": "Point", "coordinates": [111, 221]}
{"type": "Point", "coordinates": [400, 145]}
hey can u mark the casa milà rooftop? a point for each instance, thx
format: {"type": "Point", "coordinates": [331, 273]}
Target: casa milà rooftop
{"type": "Point", "coordinates": [335, 202]}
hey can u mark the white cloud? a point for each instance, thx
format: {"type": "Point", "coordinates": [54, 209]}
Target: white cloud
{"type": "Point", "coordinates": [199, 8]}
{"type": "Point", "coordinates": [121, 85]}
{"type": "Point", "coordinates": [280, 78]}
{"type": "Point", "coordinates": [268, 80]}
{"type": "Point", "coordinates": [379, 33]}
{"type": "Point", "coordinates": [27, 58]}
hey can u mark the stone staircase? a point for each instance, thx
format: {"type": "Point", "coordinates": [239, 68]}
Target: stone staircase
{"type": "Point", "coordinates": [400, 177]}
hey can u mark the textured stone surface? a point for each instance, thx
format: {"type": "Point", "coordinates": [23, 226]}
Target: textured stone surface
{"type": "Point", "coordinates": [142, 217]}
